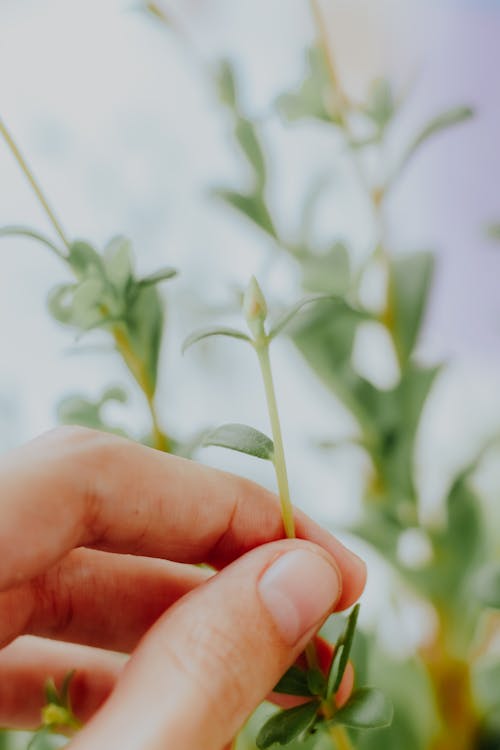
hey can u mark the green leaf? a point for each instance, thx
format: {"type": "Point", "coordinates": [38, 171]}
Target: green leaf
{"type": "Point", "coordinates": [316, 682]}
{"type": "Point", "coordinates": [226, 84]}
{"type": "Point", "coordinates": [164, 274]}
{"type": "Point", "coordinates": [287, 316]}
{"type": "Point", "coordinates": [52, 693]}
{"type": "Point", "coordinates": [367, 708]}
{"type": "Point", "coordinates": [294, 682]}
{"type": "Point", "coordinates": [18, 231]}
{"type": "Point", "coordinates": [60, 301]}
{"type": "Point", "coordinates": [342, 651]}
{"type": "Point", "coordinates": [284, 726]}
{"type": "Point", "coordinates": [442, 122]}
{"type": "Point", "coordinates": [77, 409]}
{"type": "Point", "coordinates": [207, 332]}
{"type": "Point", "coordinates": [144, 322]}
{"type": "Point", "coordinates": [84, 260]}
{"type": "Point", "coordinates": [85, 308]}
{"type": "Point", "coordinates": [66, 684]}
{"type": "Point", "coordinates": [315, 97]}
{"type": "Point", "coordinates": [328, 273]}
{"type": "Point", "coordinates": [242, 438]}
{"type": "Point", "coordinates": [381, 105]}
{"type": "Point", "coordinates": [250, 145]}
{"type": "Point", "coordinates": [486, 585]}
{"type": "Point", "coordinates": [410, 284]}
{"type": "Point", "coordinates": [253, 207]}
{"type": "Point", "coordinates": [117, 258]}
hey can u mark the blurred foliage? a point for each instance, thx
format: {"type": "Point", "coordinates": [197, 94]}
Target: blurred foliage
{"type": "Point", "coordinates": [447, 695]}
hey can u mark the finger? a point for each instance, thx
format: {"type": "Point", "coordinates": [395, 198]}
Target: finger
{"type": "Point", "coordinates": [96, 598]}
{"type": "Point", "coordinates": [80, 487]}
{"type": "Point", "coordinates": [209, 661]}
{"type": "Point", "coordinates": [28, 662]}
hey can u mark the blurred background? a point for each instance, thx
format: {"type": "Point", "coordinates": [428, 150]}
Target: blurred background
{"type": "Point", "coordinates": [118, 115]}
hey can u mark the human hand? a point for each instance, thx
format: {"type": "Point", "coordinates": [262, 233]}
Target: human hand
{"type": "Point", "coordinates": [95, 535]}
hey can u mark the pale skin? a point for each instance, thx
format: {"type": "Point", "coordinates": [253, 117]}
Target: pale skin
{"type": "Point", "coordinates": [99, 537]}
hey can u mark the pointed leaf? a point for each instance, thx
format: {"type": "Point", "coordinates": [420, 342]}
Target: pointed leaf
{"type": "Point", "coordinates": [66, 684]}
{"type": "Point", "coordinates": [410, 284]}
{"type": "Point", "coordinates": [293, 682]}
{"type": "Point", "coordinates": [284, 726]}
{"type": "Point", "coordinates": [367, 708]}
{"type": "Point", "coordinates": [158, 276]}
{"type": "Point", "coordinates": [226, 84]}
{"type": "Point", "coordinates": [250, 145]}
{"type": "Point", "coordinates": [344, 645]}
{"type": "Point", "coordinates": [316, 682]}
{"type": "Point", "coordinates": [327, 273]}
{"type": "Point", "coordinates": [18, 231]}
{"type": "Point", "coordinates": [117, 257]}
{"type": "Point", "coordinates": [292, 311]}
{"type": "Point", "coordinates": [207, 332]}
{"type": "Point", "coordinates": [443, 121]}
{"type": "Point", "coordinates": [242, 438]}
{"type": "Point", "coordinates": [251, 206]}
{"type": "Point", "coordinates": [381, 105]}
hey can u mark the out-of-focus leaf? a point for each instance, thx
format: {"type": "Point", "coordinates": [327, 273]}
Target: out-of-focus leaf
{"type": "Point", "coordinates": [226, 84]}
{"type": "Point", "coordinates": [242, 438]}
{"type": "Point", "coordinates": [18, 231]}
{"type": "Point", "coordinates": [155, 10]}
{"type": "Point", "coordinates": [493, 231]}
{"type": "Point", "coordinates": [251, 206]}
{"type": "Point", "coordinates": [486, 682]}
{"type": "Point", "coordinates": [77, 409]}
{"type": "Point", "coordinates": [284, 726]}
{"type": "Point", "coordinates": [315, 97]}
{"type": "Point", "coordinates": [117, 258]}
{"type": "Point", "coordinates": [486, 586]}
{"type": "Point", "coordinates": [309, 206]}
{"type": "Point", "coordinates": [144, 323]}
{"type": "Point", "coordinates": [84, 260]}
{"type": "Point", "coordinates": [288, 315]}
{"type": "Point", "coordinates": [250, 145]}
{"type": "Point", "coordinates": [205, 333]}
{"type": "Point", "coordinates": [86, 306]}
{"type": "Point", "coordinates": [164, 274]}
{"type": "Point", "coordinates": [438, 124]}
{"type": "Point", "coordinates": [381, 104]}
{"type": "Point", "coordinates": [60, 302]}
{"type": "Point", "coordinates": [328, 273]}
{"type": "Point", "coordinates": [367, 708]}
{"type": "Point", "coordinates": [409, 286]}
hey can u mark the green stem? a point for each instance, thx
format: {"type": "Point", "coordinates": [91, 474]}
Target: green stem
{"type": "Point", "coordinates": [34, 184]}
{"type": "Point", "coordinates": [262, 349]}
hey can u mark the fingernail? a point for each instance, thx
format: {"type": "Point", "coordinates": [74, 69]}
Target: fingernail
{"type": "Point", "coordinates": [298, 590]}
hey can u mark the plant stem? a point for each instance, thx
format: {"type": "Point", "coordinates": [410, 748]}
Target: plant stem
{"type": "Point", "coordinates": [34, 184]}
{"type": "Point", "coordinates": [341, 738]}
{"type": "Point", "coordinates": [262, 349]}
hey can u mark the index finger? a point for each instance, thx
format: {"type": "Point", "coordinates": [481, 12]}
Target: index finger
{"type": "Point", "coordinates": [77, 487]}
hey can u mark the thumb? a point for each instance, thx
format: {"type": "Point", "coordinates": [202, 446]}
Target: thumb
{"type": "Point", "coordinates": [214, 656]}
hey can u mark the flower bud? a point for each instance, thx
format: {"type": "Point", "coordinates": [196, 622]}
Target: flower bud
{"type": "Point", "coordinates": [255, 307]}
{"type": "Point", "coordinates": [53, 715]}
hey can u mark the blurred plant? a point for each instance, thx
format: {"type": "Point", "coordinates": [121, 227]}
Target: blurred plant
{"type": "Point", "coordinates": [453, 578]}
{"type": "Point", "coordinates": [105, 295]}
{"type": "Point", "coordinates": [367, 708]}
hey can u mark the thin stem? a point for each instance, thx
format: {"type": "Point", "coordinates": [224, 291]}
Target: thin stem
{"type": "Point", "coordinates": [341, 738]}
{"type": "Point", "coordinates": [262, 349]}
{"type": "Point", "coordinates": [33, 182]}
